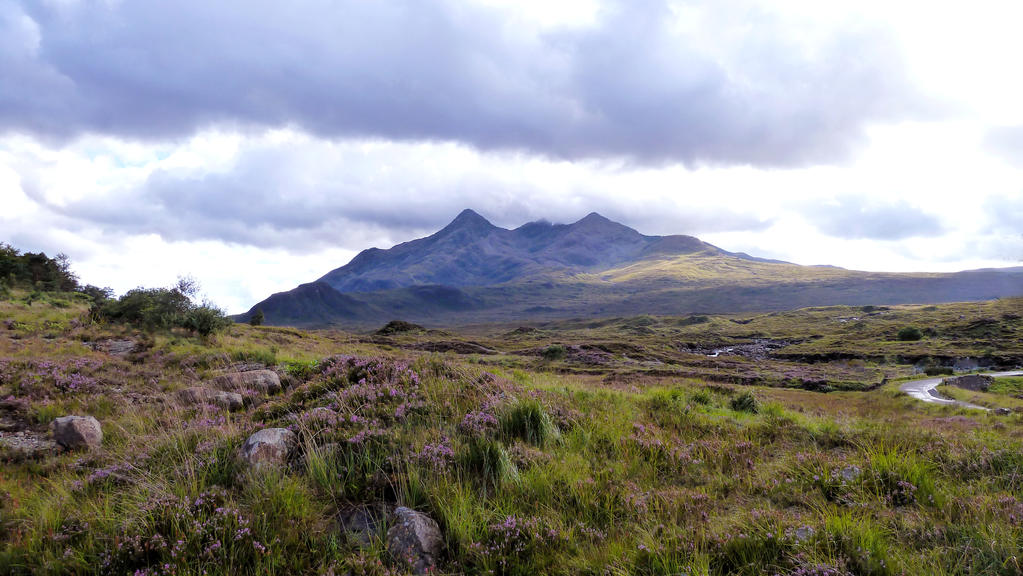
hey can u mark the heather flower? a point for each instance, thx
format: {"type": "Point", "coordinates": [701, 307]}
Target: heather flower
{"type": "Point", "coordinates": [478, 423]}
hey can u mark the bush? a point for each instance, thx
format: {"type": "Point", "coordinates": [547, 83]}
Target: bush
{"type": "Point", "coordinates": [257, 317]}
{"type": "Point", "coordinates": [37, 271]}
{"type": "Point", "coordinates": [489, 460]}
{"type": "Point", "coordinates": [205, 320]}
{"type": "Point", "coordinates": [162, 309]}
{"type": "Point", "coordinates": [909, 333]}
{"type": "Point", "coordinates": [529, 421]}
{"type": "Point", "coordinates": [553, 352]}
{"type": "Point", "coordinates": [745, 402]}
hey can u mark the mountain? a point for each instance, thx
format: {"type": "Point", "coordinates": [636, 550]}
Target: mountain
{"type": "Point", "coordinates": [472, 271]}
{"type": "Point", "coordinates": [470, 251]}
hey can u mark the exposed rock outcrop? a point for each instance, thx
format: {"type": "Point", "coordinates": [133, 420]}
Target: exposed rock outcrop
{"type": "Point", "coordinates": [973, 382]}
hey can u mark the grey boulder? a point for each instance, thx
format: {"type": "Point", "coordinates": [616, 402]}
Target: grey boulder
{"type": "Point", "coordinates": [414, 538]}
{"type": "Point", "coordinates": [197, 395]}
{"type": "Point", "coordinates": [73, 432]}
{"type": "Point", "coordinates": [262, 381]}
{"type": "Point", "coordinates": [269, 448]}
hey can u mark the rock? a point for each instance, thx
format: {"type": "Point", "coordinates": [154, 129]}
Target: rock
{"type": "Point", "coordinates": [1003, 411]}
{"type": "Point", "coordinates": [197, 395]}
{"type": "Point", "coordinates": [362, 523]}
{"type": "Point", "coordinates": [415, 538]}
{"type": "Point", "coordinates": [972, 382]}
{"type": "Point", "coordinates": [850, 473]}
{"type": "Point", "coordinates": [25, 446]}
{"type": "Point", "coordinates": [118, 348]}
{"type": "Point", "coordinates": [269, 448]}
{"type": "Point", "coordinates": [73, 432]}
{"type": "Point", "coordinates": [803, 533]}
{"type": "Point", "coordinates": [264, 381]}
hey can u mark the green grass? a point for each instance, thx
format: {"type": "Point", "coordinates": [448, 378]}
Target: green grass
{"type": "Point", "coordinates": [658, 462]}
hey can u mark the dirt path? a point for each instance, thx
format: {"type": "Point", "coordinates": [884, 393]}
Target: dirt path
{"type": "Point", "coordinates": [925, 390]}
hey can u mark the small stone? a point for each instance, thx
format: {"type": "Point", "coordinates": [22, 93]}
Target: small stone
{"type": "Point", "coordinates": [850, 473]}
{"type": "Point", "coordinates": [263, 381]}
{"type": "Point", "coordinates": [73, 432]}
{"type": "Point", "coordinates": [803, 533]}
{"type": "Point", "coordinates": [362, 523]}
{"type": "Point", "coordinates": [269, 448]}
{"type": "Point", "coordinates": [1003, 411]}
{"type": "Point", "coordinates": [415, 538]}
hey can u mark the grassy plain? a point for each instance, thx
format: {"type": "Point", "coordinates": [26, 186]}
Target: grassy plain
{"type": "Point", "coordinates": [579, 447]}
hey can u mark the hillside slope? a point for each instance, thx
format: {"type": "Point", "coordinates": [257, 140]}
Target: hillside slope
{"type": "Point", "coordinates": [472, 271]}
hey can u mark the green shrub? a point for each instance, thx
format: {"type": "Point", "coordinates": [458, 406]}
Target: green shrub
{"type": "Point", "coordinates": [901, 478]}
{"type": "Point", "coordinates": [702, 396]}
{"type": "Point", "coordinates": [162, 309]}
{"type": "Point", "coordinates": [257, 317]}
{"type": "Point", "coordinates": [487, 459]}
{"type": "Point", "coordinates": [205, 320]}
{"type": "Point", "coordinates": [528, 420]}
{"type": "Point", "coordinates": [909, 334]}
{"type": "Point", "coordinates": [553, 352]}
{"type": "Point", "coordinates": [745, 402]}
{"type": "Point", "coordinates": [265, 356]}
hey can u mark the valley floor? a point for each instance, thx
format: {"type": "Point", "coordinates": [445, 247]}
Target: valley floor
{"type": "Point", "coordinates": [772, 444]}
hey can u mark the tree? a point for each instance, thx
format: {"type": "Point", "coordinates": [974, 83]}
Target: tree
{"type": "Point", "coordinates": [910, 333]}
{"type": "Point", "coordinates": [257, 317]}
{"type": "Point", "coordinates": [205, 320]}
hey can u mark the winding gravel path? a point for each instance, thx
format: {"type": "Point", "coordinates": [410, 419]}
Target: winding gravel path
{"type": "Point", "coordinates": [925, 389]}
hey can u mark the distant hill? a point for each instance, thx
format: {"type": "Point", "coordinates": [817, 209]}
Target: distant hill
{"type": "Point", "coordinates": [472, 271]}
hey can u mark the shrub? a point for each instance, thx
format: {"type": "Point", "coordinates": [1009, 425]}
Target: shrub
{"type": "Point", "coordinates": [909, 333]}
{"type": "Point", "coordinates": [162, 309]}
{"type": "Point", "coordinates": [205, 320]}
{"type": "Point", "coordinates": [489, 460]}
{"type": "Point", "coordinates": [529, 421]}
{"type": "Point", "coordinates": [745, 402]}
{"type": "Point", "coordinates": [257, 317]}
{"type": "Point", "coordinates": [553, 352]}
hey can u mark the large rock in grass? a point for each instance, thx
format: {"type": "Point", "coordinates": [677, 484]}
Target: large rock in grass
{"type": "Point", "coordinates": [414, 538]}
{"type": "Point", "coordinates": [269, 448]}
{"type": "Point", "coordinates": [74, 432]}
{"type": "Point", "coordinates": [263, 381]}
{"type": "Point", "coordinates": [197, 395]}
{"type": "Point", "coordinates": [972, 382]}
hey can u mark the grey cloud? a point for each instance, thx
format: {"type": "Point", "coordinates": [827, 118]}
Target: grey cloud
{"type": "Point", "coordinates": [851, 218]}
{"type": "Point", "coordinates": [628, 87]}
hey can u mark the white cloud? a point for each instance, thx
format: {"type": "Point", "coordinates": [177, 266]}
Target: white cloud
{"type": "Point", "coordinates": [671, 120]}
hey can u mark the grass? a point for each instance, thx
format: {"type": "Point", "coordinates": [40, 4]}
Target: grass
{"type": "Point", "coordinates": [529, 465]}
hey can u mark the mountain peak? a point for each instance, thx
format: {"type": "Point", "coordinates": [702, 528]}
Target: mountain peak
{"type": "Point", "coordinates": [469, 219]}
{"type": "Point", "coordinates": [594, 217]}
{"type": "Point", "coordinates": [470, 215]}
{"type": "Point", "coordinates": [594, 223]}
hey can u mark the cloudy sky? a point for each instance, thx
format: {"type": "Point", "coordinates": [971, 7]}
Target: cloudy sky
{"type": "Point", "coordinates": [259, 144]}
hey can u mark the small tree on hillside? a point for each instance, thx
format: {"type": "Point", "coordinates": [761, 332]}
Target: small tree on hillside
{"type": "Point", "coordinates": [257, 317]}
{"type": "Point", "coordinates": [910, 333]}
